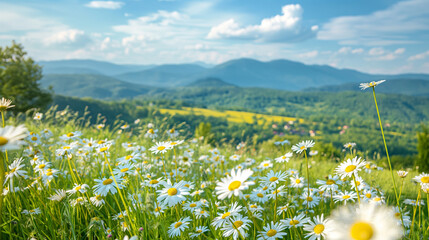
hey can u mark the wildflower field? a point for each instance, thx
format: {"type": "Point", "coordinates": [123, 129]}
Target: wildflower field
{"type": "Point", "coordinates": [65, 178]}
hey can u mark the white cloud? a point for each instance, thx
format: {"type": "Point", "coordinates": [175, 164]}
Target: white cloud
{"type": "Point", "coordinates": [286, 27]}
{"type": "Point", "coordinates": [310, 54]}
{"type": "Point", "coordinates": [376, 51]}
{"type": "Point", "coordinates": [419, 56]}
{"type": "Point", "coordinates": [357, 51]}
{"type": "Point", "coordinates": [399, 51]}
{"type": "Point", "coordinates": [347, 50]}
{"type": "Point", "coordinates": [105, 4]}
{"type": "Point", "coordinates": [394, 25]}
{"type": "Point", "coordinates": [66, 36]}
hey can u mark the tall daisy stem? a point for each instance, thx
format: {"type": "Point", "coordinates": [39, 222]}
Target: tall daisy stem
{"type": "Point", "coordinates": [275, 206]}
{"type": "Point", "coordinates": [385, 146]}
{"type": "Point", "coordinates": [356, 186]}
{"type": "Point", "coordinates": [5, 151]}
{"type": "Point", "coordinates": [1, 187]}
{"type": "Point", "coordinates": [308, 177]}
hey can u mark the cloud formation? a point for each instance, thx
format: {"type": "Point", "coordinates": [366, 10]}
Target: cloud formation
{"type": "Point", "coordinates": [394, 25]}
{"type": "Point", "coordinates": [286, 27]}
{"type": "Point", "coordinates": [419, 56]}
{"type": "Point", "coordinates": [105, 4]}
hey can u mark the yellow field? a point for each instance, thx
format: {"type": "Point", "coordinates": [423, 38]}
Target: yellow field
{"type": "Point", "coordinates": [231, 116]}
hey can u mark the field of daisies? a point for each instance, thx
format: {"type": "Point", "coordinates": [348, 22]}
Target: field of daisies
{"type": "Point", "coordinates": [68, 179]}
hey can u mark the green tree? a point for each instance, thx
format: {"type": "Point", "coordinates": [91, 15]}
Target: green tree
{"type": "Point", "coordinates": [19, 79]}
{"type": "Point", "coordinates": [423, 148]}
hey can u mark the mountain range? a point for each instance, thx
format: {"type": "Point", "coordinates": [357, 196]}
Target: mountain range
{"type": "Point", "coordinates": [107, 80]}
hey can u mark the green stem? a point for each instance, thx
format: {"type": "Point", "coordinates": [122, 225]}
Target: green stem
{"type": "Point", "coordinates": [385, 146]}
{"type": "Point", "coordinates": [1, 188]}
{"type": "Point", "coordinates": [5, 151]}
{"type": "Point", "coordinates": [357, 190]}
{"type": "Point", "coordinates": [308, 177]}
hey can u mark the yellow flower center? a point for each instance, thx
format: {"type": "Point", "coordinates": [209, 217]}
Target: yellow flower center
{"type": "Point", "coordinates": [70, 134]}
{"type": "Point", "coordinates": [361, 231]}
{"type": "Point", "coordinates": [309, 199]}
{"type": "Point", "coordinates": [78, 188]}
{"type": "Point", "coordinates": [330, 182]}
{"type": "Point", "coordinates": [372, 84]}
{"type": "Point", "coordinates": [398, 215]}
{"type": "Point", "coordinates": [293, 222]}
{"type": "Point", "coordinates": [318, 229]}
{"type": "Point", "coordinates": [377, 199]}
{"type": "Point", "coordinates": [266, 164]}
{"type": "Point", "coordinates": [66, 148]}
{"type": "Point", "coordinates": [160, 148]}
{"type": "Point", "coordinates": [157, 209]}
{"type": "Point", "coordinates": [107, 181]}
{"type": "Point", "coordinates": [34, 138]}
{"type": "Point", "coordinates": [103, 149]}
{"type": "Point", "coordinates": [368, 166]}
{"type": "Point", "coordinates": [154, 181]}
{"type": "Point", "coordinates": [172, 191]}
{"type": "Point", "coordinates": [98, 197]}
{"type": "Point", "coordinates": [151, 131]}
{"type": "Point", "coordinates": [346, 197]}
{"type": "Point", "coordinates": [42, 166]}
{"type": "Point", "coordinates": [298, 181]}
{"type": "Point", "coordinates": [350, 168]}
{"type": "Point", "coordinates": [302, 147]}
{"type": "Point", "coordinates": [49, 174]}
{"type": "Point", "coordinates": [368, 195]}
{"type": "Point", "coordinates": [265, 188]}
{"type": "Point", "coordinates": [128, 157]}
{"type": "Point", "coordinates": [271, 232]}
{"type": "Point", "coordinates": [192, 205]}
{"type": "Point", "coordinates": [225, 215]}
{"type": "Point", "coordinates": [124, 170]}
{"type": "Point", "coordinates": [178, 224]}
{"type": "Point", "coordinates": [234, 185]}
{"type": "Point", "coordinates": [424, 179]}
{"type": "Point", "coordinates": [172, 130]}
{"type": "Point", "coordinates": [253, 206]}
{"type": "Point", "coordinates": [238, 223]}
{"type": "Point", "coordinates": [260, 195]}
{"type": "Point", "coordinates": [273, 179]}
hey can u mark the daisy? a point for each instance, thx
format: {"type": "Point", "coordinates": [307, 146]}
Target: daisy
{"type": "Point", "coordinates": [151, 133]}
{"type": "Point", "coordinates": [350, 145]}
{"type": "Point", "coordinates": [178, 227]}
{"type": "Point", "coordinates": [402, 174]}
{"type": "Point", "coordinates": [5, 104]}
{"type": "Point", "coordinates": [78, 201]}
{"type": "Point", "coordinates": [172, 133]}
{"type": "Point", "coordinates": [406, 219]}
{"type": "Point", "coordinates": [58, 196]}
{"type": "Point", "coordinates": [282, 209]}
{"type": "Point", "coordinates": [225, 216]}
{"type": "Point", "coordinates": [100, 126]}
{"type": "Point", "coordinates": [175, 143]}
{"type": "Point", "coordinates": [296, 221]}
{"type": "Point", "coordinates": [414, 202]}
{"type": "Point", "coordinates": [172, 194]}
{"type": "Point", "coordinates": [199, 231]}
{"type": "Point", "coordinates": [11, 137]}
{"type": "Point", "coordinates": [311, 200]}
{"type": "Point", "coordinates": [124, 169]}
{"type": "Point", "coordinates": [359, 182]}
{"type": "Point", "coordinates": [316, 229]}
{"type": "Point", "coordinates": [78, 188]}
{"type": "Point", "coordinates": [160, 147]}
{"type": "Point", "coordinates": [266, 164]}
{"type": "Point", "coordinates": [331, 183]}
{"type": "Point", "coordinates": [302, 146]}
{"type": "Point", "coordinates": [372, 84]}
{"type": "Point", "coordinates": [297, 181]}
{"type": "Point", "coordinates": [35, 211]}
{"type": "Point", "coordinates": [97, 200]}
{"type": "Point", "coordinates": [234, 157]}
{"type": "Point", "coordinates": [120, 215]}
{"type": "Point", "coordinates": [422, 178]}
{"type": "Point", "coordinates": [350, 167]}
{"type": "Point", "coordinates": [236, 227]}
{"type": "Point", "coordinates": [272, 231]}
{"type": "Point", "coordinates": [284, 158]}
{"type": "Point", "coordinates": [15, 171]}
{"type": "Point", "coordinates": [234, 184]}
{"type": "Point", "coordinates": [201, 213]}
{"type": "Point", "coordinates": [191, 206]}
{"type": "Point", "coordinates": [272, 178]}
{"type": "Point", "coordinates": [38, 116]}
{"type": "Point", "coordinates": [366, 221]}
{"type": "Point", "coordinates": [259, 196]}
{"type": "Point", "coordinates": [106, 185]}
{"type": "Point", "coordinates": [345, 197]}
{"type": "Point", "coordinates": [313, 152]}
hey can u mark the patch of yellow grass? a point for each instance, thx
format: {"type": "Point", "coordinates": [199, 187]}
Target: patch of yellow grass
{"type": "Point", "coordinates": [231, 116]}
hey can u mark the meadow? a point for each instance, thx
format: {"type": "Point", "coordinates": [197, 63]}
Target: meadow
{"type": "Point", "coordinates": [66, 177]}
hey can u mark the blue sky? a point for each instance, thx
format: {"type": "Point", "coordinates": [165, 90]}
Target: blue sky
{"type": "Point", "coordinates": [383, 36]}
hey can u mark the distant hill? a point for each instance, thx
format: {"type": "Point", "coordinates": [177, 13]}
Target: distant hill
{"type": "Point", "coordinates": [77, 66]}
{"type": "Point", "coordinates": [169, 75]}
{"type": "Point", "coordinates": [94, 86]}
{"type": "Point", "coordinates": [209, 82]}
{"type": "Point", "coordinates": [416, 87]}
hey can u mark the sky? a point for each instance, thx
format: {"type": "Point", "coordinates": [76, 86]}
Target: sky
{"type": "Point", "coordinates": [374, 36]}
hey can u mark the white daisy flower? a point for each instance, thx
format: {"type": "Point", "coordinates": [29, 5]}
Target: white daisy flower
{"type": "Point", "coordinates": [5, 104]}
{"type": "Point", "coordinates": [284, 158]}
{"type": "Point", "coordinates": [106, 185]}
{"type": "Point", "coordinates": [422, 178]}
{"type": "Point", "coordinates": [350, 145]}
{"type": "Point", "coordinates": [350, 167]}
{"type": "Point", "coordinates": [199, 231]}
{"type": "Point", "coordinates": [296, 221]}
{"type": "Point", "coordinates": [225, 216]}
{"type": "Point", "coordinates": [236, 227]}
{"type": "Point", "coordinates": [178, 227]}
{"type": "Point", "coordinates": [372, 84]}
{"type": "Point", "coordinates": [302, 146]}
{"type": "Point", "coordinates": [297, 181]}
{"type": "Point", "coordinates": [265, 164]}
{"type": "Point", "coordinates": [38, 116]}
{"type": "Point", "coordinates": [78, 188]}
{"type": "Point", "coordinates": [58, 196]}
{"type": "Point", "coordinates": [317, 229]}
{"type": "Point", "coordinates": [272, 178]}
{"type": "Point", "coordinates": [35, 211]}
{"type": "Point", "coordinates": [345, 197]}
{"type": "Point", "coordinates": [234, 184]}
{"type": "Point", "coordinates": [402, 174]}
{"type": "Point", "coordinates": [367, 221]}
{"type": "Point", "coordinates": [272, 231]}
{"type": "Point", "coordinates": [11, 138]}
{"type": "Point", "coordinates": [15, 171]}
{"type": "Point", "coordinates": [160, 147]}
{"type": "Point", "coordinates": [330, 184]}
{"type": "Point", "coordinates": [171, 195]}
{"type": "Point", "coordinates": [97, 200]}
